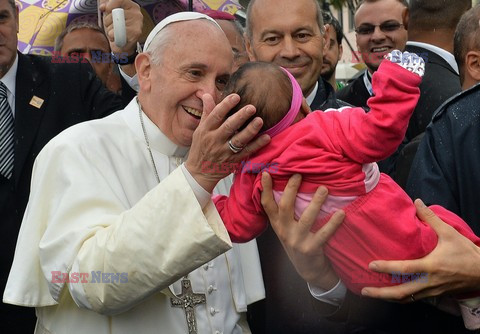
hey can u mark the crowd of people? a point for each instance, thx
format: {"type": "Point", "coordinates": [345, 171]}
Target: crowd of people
{"type": "Point", "coordinates": [113, 223]}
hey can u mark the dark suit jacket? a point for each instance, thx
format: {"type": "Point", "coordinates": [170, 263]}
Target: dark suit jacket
{"type": "Point", "coordinates": [445, 169]}
{"type": "Point", "coordinates": [355, 93]}
{"type": "Point", "coordinates": [325, 97]}
{"type": "Point", "coordinates": [439, 83]}
{"type": "Point", "coordinates": [71, 93]}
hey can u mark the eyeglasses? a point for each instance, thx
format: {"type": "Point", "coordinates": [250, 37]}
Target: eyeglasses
{"type": "Point", "coordinates": [368, 29]}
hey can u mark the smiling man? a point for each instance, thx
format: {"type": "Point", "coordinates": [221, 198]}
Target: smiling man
{"type": "Point", "coordinates": [291, 34]}
{"type": "Point", "coordinates": [381, 26]}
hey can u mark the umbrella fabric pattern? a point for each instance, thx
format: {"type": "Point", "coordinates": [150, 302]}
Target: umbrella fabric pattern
{"type": "Point", "coordinates": [41, 21]}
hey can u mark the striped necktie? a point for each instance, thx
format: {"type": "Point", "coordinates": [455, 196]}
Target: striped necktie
{"type": "Point", "coordinates": [6, 134]}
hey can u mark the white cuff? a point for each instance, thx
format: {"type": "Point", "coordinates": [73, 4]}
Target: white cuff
{"type": "Point", "coordinates": [203, 196]}
{"type": "Point", "coordinates": [77, 291]}
{"type": "Point", "coordinates": [470, 309]}
{"type": "Point", "coordinates": [131, 81]}
{"type": "Point", "coordinates": [335, 296]}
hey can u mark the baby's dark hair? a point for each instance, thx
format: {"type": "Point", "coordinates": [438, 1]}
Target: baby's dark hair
{"type": "Point", "coordinates": [264, 85]}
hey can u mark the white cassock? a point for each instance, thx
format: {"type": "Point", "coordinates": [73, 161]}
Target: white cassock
{"type": "Point", "coordinates": [95, 208]}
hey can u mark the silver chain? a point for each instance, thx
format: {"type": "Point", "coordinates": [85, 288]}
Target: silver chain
{"type": "Point", "coordinates": [147, 141]}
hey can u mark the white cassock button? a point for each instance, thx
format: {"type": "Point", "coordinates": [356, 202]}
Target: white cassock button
{"type": "Point", "coordinates": [212, 311]}
{"type": "Point", "coordinates": [210, 289]}
{"type": "Point", "coordinates": [205, 266]}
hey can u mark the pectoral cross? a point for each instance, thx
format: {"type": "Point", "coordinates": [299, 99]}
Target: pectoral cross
{"type": "Point", "coordinates": [188, 300]}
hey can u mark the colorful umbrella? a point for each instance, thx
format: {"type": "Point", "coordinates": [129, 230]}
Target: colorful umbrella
{"type": "Point", "coordinates": [41, 21]}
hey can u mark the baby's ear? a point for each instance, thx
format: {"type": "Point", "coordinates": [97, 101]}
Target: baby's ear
{"type": "Point", "coordinates": [305, 108]}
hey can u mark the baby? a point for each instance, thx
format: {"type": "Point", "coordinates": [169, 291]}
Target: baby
{"type": "Point", "coordinates": [337, 149]}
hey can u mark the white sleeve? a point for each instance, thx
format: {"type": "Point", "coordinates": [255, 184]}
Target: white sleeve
{"type": "Point", "coordinates": [90, 227]}
{"type": "Point", "coordinates": [131, 81]}
{"type": "Point", "coordinates": [335, 296]}
{"type": "Point", "coordinates": [201, 194]}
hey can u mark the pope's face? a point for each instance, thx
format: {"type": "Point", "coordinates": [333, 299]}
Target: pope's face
{"type": "Point", "coordinates": [286, 32]}
{"type": "Point", "coordinates": [198, 60]}
{"type": "Point", "coordinates": [386, 17]}
{"type": "Point", "coordinates": [8, 36]}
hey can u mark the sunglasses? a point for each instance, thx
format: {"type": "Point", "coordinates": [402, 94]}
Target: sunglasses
{"type": "Point", "coordinates": [368, 29]}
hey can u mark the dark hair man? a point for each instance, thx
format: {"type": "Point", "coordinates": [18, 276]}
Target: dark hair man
{"type": "Point", "coordinates": [334, 53]}
{"type": "Point", "coordinates": [380, 27]}
{"type": "Point", "coordinates": [86, 40]}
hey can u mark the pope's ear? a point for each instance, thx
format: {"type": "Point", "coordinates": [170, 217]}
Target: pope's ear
{"type": "Point", "coordinates": [143, 65]}
{"type": "Point", "coordinates": [472, 65]}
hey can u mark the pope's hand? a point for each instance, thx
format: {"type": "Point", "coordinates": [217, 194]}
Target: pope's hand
{"type": "Point", "coordinates": [304, 248]}
{"type": "Point", "coordinates": [453, 266]}
{"type": "Point", "coordinates": [210, 158]}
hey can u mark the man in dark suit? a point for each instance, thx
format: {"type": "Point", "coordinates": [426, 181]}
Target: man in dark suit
{"type": "Point", "coordinates": [376, 36]}
{"type": "Point", "coordinates": [431, 28]}
{"type": "Point", "coordinates": [44, 98]}
{"type": "Point", "coordinates": [444, 171]}
{"type": "Point", "coordinates": [290, 34]}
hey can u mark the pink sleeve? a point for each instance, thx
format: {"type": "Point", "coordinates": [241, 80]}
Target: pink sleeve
{"type": "Point", "coordinates": [243, 218]}
{"type": "Point", "coordinates": [373, 136]}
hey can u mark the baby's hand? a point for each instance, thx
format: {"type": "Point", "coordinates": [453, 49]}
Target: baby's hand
{"type": "Point", "coordinates": [409, 61]}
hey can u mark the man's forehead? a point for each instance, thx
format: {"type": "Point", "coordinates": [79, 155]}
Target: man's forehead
{"type": "Point", "coordinates": [285, 16]}
{"type": "Point", "coordinates": [86, 35]}
{"type": "Point", "coordinates": [282, 26]}
{"type": "Point", "coordinates": [369, 10]}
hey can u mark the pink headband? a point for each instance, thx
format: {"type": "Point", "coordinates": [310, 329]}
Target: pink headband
{"type": "Point", "coordinates": [287, 120]}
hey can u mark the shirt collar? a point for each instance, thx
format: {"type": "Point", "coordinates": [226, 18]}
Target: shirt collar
{"type": "Point", "coordinates": [311, 96]}
{"type": "Point", "coordinates": [10, 78]}
{"type": "Point", "coordinates": [449, 58]}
